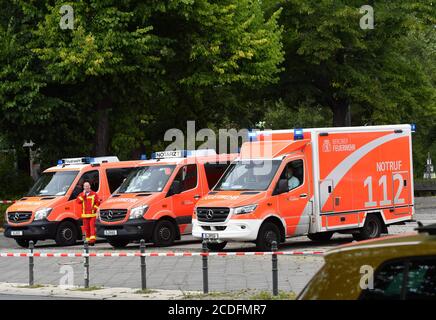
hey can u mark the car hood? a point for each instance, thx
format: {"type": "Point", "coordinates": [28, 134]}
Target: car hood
{"type": "Point", "coordinates": [231, 198]}
{"type": "Point", "coordinates": [35, 203]}
{"type": "Point", "coordinates": [129, 200]}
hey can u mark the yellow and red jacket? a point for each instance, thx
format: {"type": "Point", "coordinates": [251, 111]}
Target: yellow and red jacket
{"type": "Point", "coordinates": [89, 204]}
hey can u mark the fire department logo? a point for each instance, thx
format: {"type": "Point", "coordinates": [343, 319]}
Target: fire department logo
{"type": "Point", "coordinates": [209, 214]}
{"type": "Point", "coordinates": [109, 215]}
{"type": "Point", "coordinates": [326, 146]}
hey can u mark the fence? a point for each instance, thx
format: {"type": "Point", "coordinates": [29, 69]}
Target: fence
{"type": "Point", "coordinates": [142, 254]}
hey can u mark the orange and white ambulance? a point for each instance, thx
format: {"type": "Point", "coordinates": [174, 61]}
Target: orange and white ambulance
{"type": "Point", "coordinates": [157, 199]}
{"type": "Point", "coordinates": [312, 182]}
{"type": "Point", "coordinates": [49, 210]}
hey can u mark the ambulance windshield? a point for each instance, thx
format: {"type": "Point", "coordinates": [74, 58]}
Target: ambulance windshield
{"type": "Point", "coordinates": [248, 175]}
{"type": "Point", "coordinates": [147, 179]}
{"type": "Point", "coordinates": [53, 184]}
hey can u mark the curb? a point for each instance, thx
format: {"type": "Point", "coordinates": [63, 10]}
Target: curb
{"type": "Point", "coordinates": [98, 294]}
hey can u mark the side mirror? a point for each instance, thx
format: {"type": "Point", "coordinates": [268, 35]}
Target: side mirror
{"type": "Point", "coordinates": [176, 188]}
{"type": "Point", "coordinates": [282, 186]}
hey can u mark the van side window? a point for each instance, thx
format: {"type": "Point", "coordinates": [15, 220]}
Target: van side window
{"type": "Point", "coordinates": [187, 176]}
{"type": "Point", "coordinates": [92, 177]}
{"type": "Point", "coordinates": [214, 171]}
{"type": "Point", "coordinates": [116, 176]}
{"type": "Point", "coordinates": [294, 174]}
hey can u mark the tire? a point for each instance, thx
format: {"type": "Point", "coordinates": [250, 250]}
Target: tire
{"type": "Point", "coordinates": [268, 233]}
{"type": "Point", "coordinates": [24, 243]}
{"type": "Point", "coordinates": [164, 233]}
{"type": "Point", "coordinates": [216, 246]}
{"type": "Point", "coordinates": [320, 236]}
{"type": "Point", "coordinates": [66, 234]}
{"type": "Point", "coordinates": [118, 243]}
{"type": "Point", "coordinates": [371, 229]}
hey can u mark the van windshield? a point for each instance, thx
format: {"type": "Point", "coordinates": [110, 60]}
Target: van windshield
{"type": "Point", "coordinates": [248, 175]}
{"type": "Point", "coordinates": [53, 184]}
{"type": "Point", "coordinates": [147, 179]}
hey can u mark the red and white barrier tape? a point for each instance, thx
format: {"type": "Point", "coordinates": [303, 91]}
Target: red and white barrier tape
{"type": "Point", "coordinates": [155, 254]}
{"type": "Point", "coordinates": [7, 201]}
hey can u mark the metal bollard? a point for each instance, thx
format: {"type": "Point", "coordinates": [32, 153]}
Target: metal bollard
{"type": "Point", "coordinates": [275, 270]}
{"type": "Point", "coordinates": [86, 263]}
{"type": "Point", "coordinates": [205, 271]}
{"type": "Point", "coordinates": [143, 266]}
{"type": "Point", "coordinates": [31, 263]}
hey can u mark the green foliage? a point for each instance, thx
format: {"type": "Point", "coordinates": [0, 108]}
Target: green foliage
{"type": "Point", "coordinates": [130, 70]}
{"type": "Point", "coordinates": [13, 183]}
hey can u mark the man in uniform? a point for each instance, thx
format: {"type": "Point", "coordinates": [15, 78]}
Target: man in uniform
{"type": "Point", "coordinates": [293, 181]}
{"type": "Point", "coordinates": [90, 202]}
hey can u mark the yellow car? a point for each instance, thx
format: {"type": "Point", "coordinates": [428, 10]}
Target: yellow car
{"type": "Point", "coordinates": [391, 268]}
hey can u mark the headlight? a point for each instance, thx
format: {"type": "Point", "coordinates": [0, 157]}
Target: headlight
{"type": "Point", "coordinates": [245, 209]}
{"type": "Point", "coordinates": [138, 212]}
{"type": "Point", "coordinates": [42, 213]}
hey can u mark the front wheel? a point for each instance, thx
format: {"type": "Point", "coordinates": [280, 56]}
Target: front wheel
{"type": "Point", "coordinates": [66, 235]}
{"type": "Point", "coordinates": [24, 243]}
{"type": "Point", "coordinates": [268, 233]}
{"type": "Point", "coordinates": [164, 233]}
{"type": "Point", "coordinates": [371, 229]}
{"type": "Point", "coordinates": [216, 246]}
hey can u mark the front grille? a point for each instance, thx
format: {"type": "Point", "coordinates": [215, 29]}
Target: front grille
{"type": "Point", "coordinates": [18, 217]}
{"type": "Point", "coordinates": [212, 214]}
{"type": "Point", "coordinates": [113, 215]}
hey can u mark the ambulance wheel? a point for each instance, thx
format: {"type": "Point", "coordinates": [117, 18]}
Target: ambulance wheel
{"type": "Point", "coordinates": [24, 243]}
{"type": "Point", "coordinates": [118, 243]}
{"type": "Point", "coordinates": [216, 246]}
{"type": "Point", "coordinates": [268, 233]}
{"type": "Point", "coordinates": [371, 229]}
{"type": "Point", "coordinates": [164, 233]}
{"type": "Point", "coordinates": [320, 236]}
{"type": "Point", "coordinates": [66, 235]}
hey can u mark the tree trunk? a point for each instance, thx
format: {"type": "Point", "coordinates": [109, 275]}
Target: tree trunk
{"type": "Point", "coordinates": [341, 113]}
{"type": "Point", "coordinates": [102, 132]}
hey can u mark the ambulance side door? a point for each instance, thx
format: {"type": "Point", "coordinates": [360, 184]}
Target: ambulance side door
{"type": "Point", "coordinates": [189, 193]}
{"type": "Point", "coordinates": [292, 204]}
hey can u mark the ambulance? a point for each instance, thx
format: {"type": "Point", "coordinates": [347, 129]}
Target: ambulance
{"type": "Point", "coordinates": [313, 182]}
{"type": "Point", "coordinates": [49, 210]}
{"type": "Point", "coordinates": [156, 201]}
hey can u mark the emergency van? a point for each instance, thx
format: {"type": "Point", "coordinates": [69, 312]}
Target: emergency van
{"type": "Point", "coordinates": [49, 210]}
{"type": "Point", "coordinates": [157, 199]}
{"type": "Point", "coordinates": [312, 182]}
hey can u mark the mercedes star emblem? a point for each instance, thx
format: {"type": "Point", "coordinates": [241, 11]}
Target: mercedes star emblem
{"type": "Point", "coordinates": [209, 214]}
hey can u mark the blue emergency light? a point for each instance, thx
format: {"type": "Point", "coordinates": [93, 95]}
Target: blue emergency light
{"type": "Point", "coordinates": [252, 135]}
{"type": "Point", "coordinates": [298, 134]}
{"type": "Point", "coordinates": [413, 127]}
{"type": "Point", "coordinates": [143, 157]}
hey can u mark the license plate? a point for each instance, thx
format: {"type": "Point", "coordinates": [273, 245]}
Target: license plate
{"type": "Point", "coordinates": [110, 232]}
{"type": "Point", "coordinates": [17, 233]}
{"type": "Point", "coordinates": [210, 236]}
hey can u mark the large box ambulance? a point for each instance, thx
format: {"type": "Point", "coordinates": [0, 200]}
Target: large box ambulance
{"type": "Point", "coordinates": [312, 182]}
{"type": "Point", "coordinates": [156, 201]}
{"type": "Point", "coordinates": [49, 210]}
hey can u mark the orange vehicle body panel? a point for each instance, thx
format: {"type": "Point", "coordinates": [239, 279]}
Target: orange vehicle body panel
{"type": "Point", "coordinates": [348, 173]}
{"type": "Point", "coordinates": [177, 207]}
{"type": "Point", "coordinates": [62, 206]}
